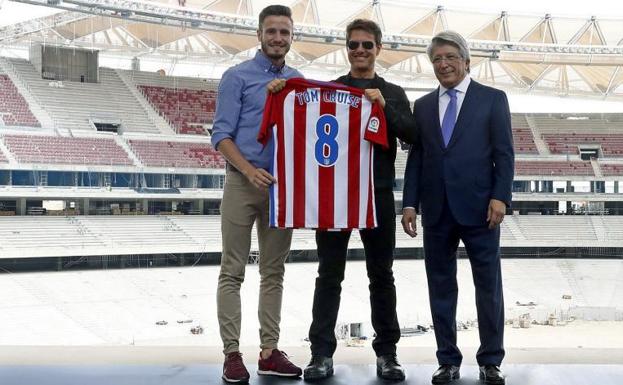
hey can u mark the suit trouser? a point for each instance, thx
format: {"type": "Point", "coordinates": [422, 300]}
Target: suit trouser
{"type": "Point", "coordinates": [379, 245]}
{"type": "Point", "coordinates": [483, 249]}
{"type": "Point", "coordinates": [242, 205]}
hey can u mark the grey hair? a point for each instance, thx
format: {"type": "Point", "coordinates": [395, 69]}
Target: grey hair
{"type": "Point", "coordinates": [451, 38]}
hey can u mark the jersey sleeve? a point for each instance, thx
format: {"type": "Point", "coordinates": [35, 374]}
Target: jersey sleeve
{"type": "Point", "coordinates": [269, 118]}
{"type": "Point", "coordinates": [376, 130]}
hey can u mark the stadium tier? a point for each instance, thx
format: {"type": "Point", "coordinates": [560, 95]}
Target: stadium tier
{"type": "Point", "coordinates": [586, 123]}
{"type": "Point", "coordinates": [187, 103]}
{"type": "Point", "coordinates": [188, 111]}
{"type": "Point", "coordinates": [147, 102]}
{"type": "Point", "coordinates": [567, 133]}
{"type": "Point", "coordinates": [147, 234]}
{"type": "Point", "coordinates": [524, 141]}
{"type": "Point", "coordinates": [14, 110]}
{"type": "Point", "coordinates": [548, 168]}
{"type": "Point", "coordinates": [53, 232]}
{"type": "Point", "coordinates": [74, 105]}
{"type": "Point", "coordinates": [66, 150]}
{"type": "Point", "coordinates": [522, 135]}
{"type": "Point", "coordinates": [554, 227]}
{"type": "Point", "coordinates": [569, 143]}
{"type": "Point", "coordinates": [611, 169]}
{"type": "Point", "coordinates": [173, 82]}
{"type": "Point", "coordinates": [137, 231]}
{"type": "Point", "coordinates": [105, 151]}
{"type": "Point", "coordinates": [176, 154]}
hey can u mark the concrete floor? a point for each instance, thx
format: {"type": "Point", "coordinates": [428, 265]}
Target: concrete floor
{"type": "Point", "coordinates": [344, 374]}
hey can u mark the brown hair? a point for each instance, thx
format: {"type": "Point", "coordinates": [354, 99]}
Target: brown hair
{"type": "Point", "coordinates": [274, 10]}
{"type": "Point", "coordinates": [365, 25]}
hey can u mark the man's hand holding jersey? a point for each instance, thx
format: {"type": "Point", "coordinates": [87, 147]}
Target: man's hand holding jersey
{"type": "Point", "coordinates": [374, 95]}
{"type": "Point", "coordinates": [276, 85]}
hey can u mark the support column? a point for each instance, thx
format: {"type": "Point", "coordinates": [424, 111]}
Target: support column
{"type": "Point", "coordinates": [84, 210]}
{"type": "Point", "coordinates": [20, 208]}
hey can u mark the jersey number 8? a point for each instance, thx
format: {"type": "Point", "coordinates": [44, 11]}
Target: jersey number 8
{"type": "Point", "coordinates": [327, 148]}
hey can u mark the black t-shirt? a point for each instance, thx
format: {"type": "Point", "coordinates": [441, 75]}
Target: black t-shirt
{"type": "Point", "coordinates": [362, 83]}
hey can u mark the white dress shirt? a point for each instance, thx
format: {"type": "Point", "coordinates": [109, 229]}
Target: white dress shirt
{"type": "Point", "coordinates": [444, 99]}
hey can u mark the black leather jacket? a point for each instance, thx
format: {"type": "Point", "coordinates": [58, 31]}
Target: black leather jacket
{"type": "Point", "coordinates": [400, 124]}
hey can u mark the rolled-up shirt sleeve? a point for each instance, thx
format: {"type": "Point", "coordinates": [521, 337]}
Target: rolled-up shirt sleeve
{"type": "Point", "coordinates": [228, 106]}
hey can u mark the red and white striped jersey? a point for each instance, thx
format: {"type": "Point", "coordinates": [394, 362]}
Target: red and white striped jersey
{"type": "Point", "coordinates": [323, 135]}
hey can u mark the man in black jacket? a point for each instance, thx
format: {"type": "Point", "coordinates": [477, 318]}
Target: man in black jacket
{"type": "Point", "coordinates": [363, 45]}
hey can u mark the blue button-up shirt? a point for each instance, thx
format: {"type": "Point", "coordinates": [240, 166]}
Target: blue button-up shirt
{"type": "Point", "coordinates": [240, 105]}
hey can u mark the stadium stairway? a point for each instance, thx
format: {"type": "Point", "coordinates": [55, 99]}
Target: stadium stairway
{"type": "Point", "coordinates": [159, 122]}
{"type": "Point", "coordinates": [538, 140]}
{"type": "Point", "coordinates": [571, 275]}
{"type": "Point", "coordinates": [42, 116]}
{"type": "Point", "coordinates": [612, 229]}
{"type": "Point", "coordinates": [513, 227]}
{"type": "Point", "coordinates": [73, 105]}
{"type": "Point", "coordinates": [7, 154]}
{"type": "Point", "coordinates": [598, 225]}
{"type": "Point", "coordinates": [401, 162]}
{"type": "Point", "coordinates": [126, 147]}
{"type": "Point", "coordinates": [596, 168]}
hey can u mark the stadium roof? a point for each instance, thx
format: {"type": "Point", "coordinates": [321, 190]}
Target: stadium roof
{"type": "Point", "coordinates": [527, 52]}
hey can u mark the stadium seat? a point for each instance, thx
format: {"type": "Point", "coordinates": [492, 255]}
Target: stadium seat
{"type": "Point", "coordinates": [14, 110]}
{"type": "Point", "coordinates": [66, 150]}
{"type": "Point", "coordinates": [176, 154]}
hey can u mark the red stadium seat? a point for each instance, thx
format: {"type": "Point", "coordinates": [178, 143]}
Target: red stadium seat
{"type": "Point", "coordinates": [13, 107]}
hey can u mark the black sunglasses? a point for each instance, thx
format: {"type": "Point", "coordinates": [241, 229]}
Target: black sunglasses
{"type": "Point", "coordinates": [353, 45]}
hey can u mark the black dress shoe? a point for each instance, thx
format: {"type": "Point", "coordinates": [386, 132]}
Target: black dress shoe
{"type": "Point", "coordinates": [388, 368]}
{"type": "Point", "coordinates": [320, 367]}
{"type": "Point", "coordinates": [491, 375]}
{"type": "Point", "coordinates": [446, 374]}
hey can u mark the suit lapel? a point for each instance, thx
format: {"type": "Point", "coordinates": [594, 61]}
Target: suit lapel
{"type": "Point", "coordinates": [469, 104]}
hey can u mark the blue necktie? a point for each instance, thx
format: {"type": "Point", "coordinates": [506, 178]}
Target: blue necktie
{"type": "Point", "coordinates": [449, 118]}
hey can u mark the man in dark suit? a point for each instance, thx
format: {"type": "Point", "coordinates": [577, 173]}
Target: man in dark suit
{"type": "Point", "coordinates": [459, 176]}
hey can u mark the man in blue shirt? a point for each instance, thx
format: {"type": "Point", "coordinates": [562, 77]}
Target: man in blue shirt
{"type": "Point", "coordinates": [240, 105]}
